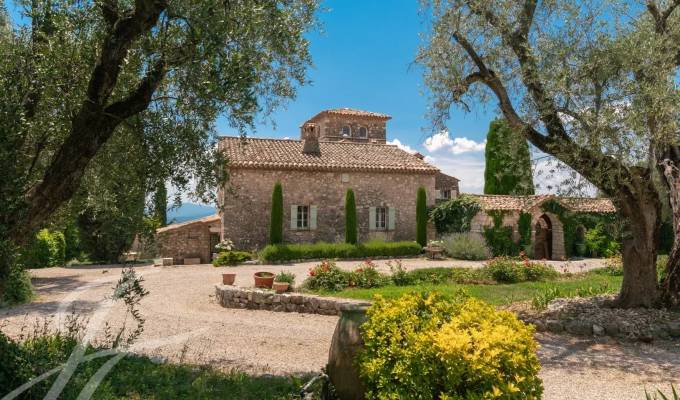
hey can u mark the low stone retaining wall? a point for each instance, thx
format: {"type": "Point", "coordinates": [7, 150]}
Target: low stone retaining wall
{"type": "Point", "coordinates": [259, 299]}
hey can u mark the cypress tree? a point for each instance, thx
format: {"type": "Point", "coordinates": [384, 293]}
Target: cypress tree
{"type": "Point", "coordinates": [276, 224]}
{"type": "Point", "coordinates": [160, 204]}
{"type": "Point", "coordinates": [508, 163]}
{"type": "Point", "coordinates": [350, 218]}
{"type": "Point", "coordinates": [421, 217]}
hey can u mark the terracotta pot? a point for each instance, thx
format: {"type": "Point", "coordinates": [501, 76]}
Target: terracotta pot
{"type": "Point", "coordinates": [281, 287]}
{"type": "Point", "coordinates": [228, 279]}
{"type": "Point", "coordinates": [264, 279]}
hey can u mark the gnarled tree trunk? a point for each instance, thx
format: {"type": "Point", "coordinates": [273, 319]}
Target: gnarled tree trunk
{"type": "Point", "coordinates": [670, 286]}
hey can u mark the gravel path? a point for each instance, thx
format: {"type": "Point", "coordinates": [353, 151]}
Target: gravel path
{"type": "Point", "coordinates": [181, 307]}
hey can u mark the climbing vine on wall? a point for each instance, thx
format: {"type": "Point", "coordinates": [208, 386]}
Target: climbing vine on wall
{"type": "Point", "coordinates": [499, 237]}
{"type": "Point", "coordinates": [606, 226]}
{"type": "Point", "coordinates": [455, 215]}
{"type": "Point", "coordinates": [524, 228]}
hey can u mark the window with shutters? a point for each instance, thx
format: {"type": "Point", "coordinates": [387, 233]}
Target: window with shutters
{"type": "Point", "coordinates": [446, 194]}
{"type": "Point", "coordinates": [380, 218]}
{"type": "Point", "coordinates": [363, 132]}
{"type": "Point", "coordinates": [303, 217]}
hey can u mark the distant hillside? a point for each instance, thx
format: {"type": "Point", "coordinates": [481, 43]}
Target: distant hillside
{"type": "Point", "coordinates": [189, 211]}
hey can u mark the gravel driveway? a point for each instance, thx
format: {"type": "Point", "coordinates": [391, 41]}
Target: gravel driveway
{"type": "Point", "coordinates": [181, 307]}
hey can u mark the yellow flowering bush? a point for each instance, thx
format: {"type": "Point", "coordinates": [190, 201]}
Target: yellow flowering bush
{"type": "Point", "coordinates": [426, 346]}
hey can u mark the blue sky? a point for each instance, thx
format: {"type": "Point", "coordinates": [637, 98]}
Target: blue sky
{"type": "Point", "coordinates": [364, 59]}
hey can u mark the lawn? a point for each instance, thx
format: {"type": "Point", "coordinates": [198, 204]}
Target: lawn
{"type": "Point", "coordinates": [496, 294]}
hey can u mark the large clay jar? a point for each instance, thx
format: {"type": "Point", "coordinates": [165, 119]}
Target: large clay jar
{"type": "Point", "coordinates": [228, 279]}
{"type": "Point", "coordinates": [342, 370]}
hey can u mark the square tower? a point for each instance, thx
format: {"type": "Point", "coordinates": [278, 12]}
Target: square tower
{"type": "Point", "coordinates": [348, 125]}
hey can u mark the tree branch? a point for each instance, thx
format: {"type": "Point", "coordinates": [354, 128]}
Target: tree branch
{"type": "Point", "coordinates": [138, 100]}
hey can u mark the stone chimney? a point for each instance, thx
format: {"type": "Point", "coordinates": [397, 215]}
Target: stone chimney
{"type": "Point", "coordinates": [310, 138]}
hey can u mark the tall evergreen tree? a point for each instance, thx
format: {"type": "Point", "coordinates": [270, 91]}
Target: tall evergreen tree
{"type": "Point", "coordinates": [276, 225]}
{"type": "Point", "coordinates": [421, 217]}
{"type": "Point", "coordinates": [508, 164]}
{"type": "Point", "coordinates": [350, 218]}
{"type": "Point", "coordinates": [160, 204]}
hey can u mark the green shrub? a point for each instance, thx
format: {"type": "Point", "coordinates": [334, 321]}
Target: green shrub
{"type": "Point", "coordinates": [399, 275]}
{"type": "Point", "coordinates": [425, 346]}
{"type": "Point", "coordinates": [421, 217]}
{"type": "Point", "coordinates": [276, 223]}
{"type": "Point", "coordinates": [499, 240]}
{"type": "Point", "coordinates": [541, 299]}
{"type": "Point", "coordinates": [613, 266]}
{"type": "Point", "coordinates": [17, 289]}
{"type": "Point", "coordinates": [350, 218]}
{"type": "Point", "coordinates": [466, 246]}
{"type": "Point", "coordinates": [322, 250]}
{"type": "Point", "coordinates": [513, 270]}
{"type": "Point", "coordinates": [231, 258]}
{"type": "Point", "coordinates": [600, 243]}
{"type": "Point", "coordinates": [285, 276]}
{"type": "Point", "coordinates": [327, 276]}
{"type": "Point", "coordinates": [48, 249]}
{"type": "Point", "coordinates": [366, 276]}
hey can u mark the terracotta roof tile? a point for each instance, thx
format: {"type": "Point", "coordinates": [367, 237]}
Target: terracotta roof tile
{"type": "Point", "coordinates": [516, 203]}
{"type": "Point", "coordinates": [444, 181]}
{"type": "Point", "coordinates": [350, 112]}
{"type": "Point", "coordinates": [171, 227]}
{"type": "Point", "coordinates": [335, 156]}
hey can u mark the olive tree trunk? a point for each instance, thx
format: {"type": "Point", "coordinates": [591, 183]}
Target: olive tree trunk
{"type": "Point", "coordinates": [670, 286]}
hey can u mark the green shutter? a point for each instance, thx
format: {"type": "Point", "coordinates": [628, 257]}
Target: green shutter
{"type": "Point", "coordinates": [371, 218]}
{"type": "Point", "coordinates": [293, 216]}
{"type": "Point", "coordinates": [391, 218]}
{"type": "Point", "coordinates": [312, 217]}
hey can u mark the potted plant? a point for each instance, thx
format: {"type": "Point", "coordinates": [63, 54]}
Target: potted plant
{"type": "Point", "coordinates": [283, 281]}
{"type": "Point", "coordinates": [264, 279]}
{"type": "Point", "coordinates": [228, 279]}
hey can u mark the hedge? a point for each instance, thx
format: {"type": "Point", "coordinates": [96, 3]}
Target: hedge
{"type": "Point", "coordinates": [319, 250]}
{"type": "Point", "coordinates": [48, 249]}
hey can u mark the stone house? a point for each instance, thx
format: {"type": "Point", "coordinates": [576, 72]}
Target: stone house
{"type": "Point", "coordinates": [338, 149]}
{"type": "Point", "coordinates": [547, 232]}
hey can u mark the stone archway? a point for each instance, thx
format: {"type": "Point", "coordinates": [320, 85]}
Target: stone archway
{"type": "Point", "coordinates": [547, 236]}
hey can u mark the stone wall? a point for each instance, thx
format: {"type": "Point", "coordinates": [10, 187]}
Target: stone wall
{"type": "Point", "coordinates": [258, 299]}
{"type": "Point", "coordinates": [247, 203]}
{"type": "Point", "coordinates": [187, 241]}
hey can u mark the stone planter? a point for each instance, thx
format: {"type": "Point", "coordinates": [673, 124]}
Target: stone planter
{"type": "Point", "coordinates": [264, 279]}
{"type": "Point", "coordinates": [228, 279]}
{"type": "Point", "coordinates": [281, 287]}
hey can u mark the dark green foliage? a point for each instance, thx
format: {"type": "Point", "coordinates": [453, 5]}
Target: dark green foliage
{"type": "Point", "coordinates": [104, 237]}
{"type": "Point", "coordinates": [276, 221]}
{"type": "Point", "coordinates": [455, 215]}
{"type": "Point", "coordinates": [17, 289]}
{"type": "Point", "coordinates": [350, 218]}
{"type": "Point", "coordinates": [366, 276]}
{"type": "Point", "coordinates": [524, 228]}
{"type": "Point", "coordinates": [508, 163]}
{"type": "Point", "coordinates": [328, 277]}
{"type": "Point", "coordinates": [72, 238]}
{"type": "Point", "coordinates": [231, 258]}
{"type": "Point", "coordinates": [421, 217]}
{"type": "Point", "coordinates": [48, 249]}
{"type": "Point", "coordinates": [160, 204]}
{"type": "Point", "coordinates": [513, 270]}
{"type": "Point", "coordinates": [499, 237]}
{"type": "Point", "coordinates": [322, 250]}
{"type": "Point", "coordinates": [666, 237]}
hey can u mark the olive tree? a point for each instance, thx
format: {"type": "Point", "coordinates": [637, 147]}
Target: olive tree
{"type": "Point", "coordinates": [77, 72]}
{"type": "Point", "coordinates": [592, 84]}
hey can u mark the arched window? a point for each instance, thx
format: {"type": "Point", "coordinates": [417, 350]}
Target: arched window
{"type": "Point", "coordinates": [346, 131]}
{"type": "Point", "coordinates": [363, 132]}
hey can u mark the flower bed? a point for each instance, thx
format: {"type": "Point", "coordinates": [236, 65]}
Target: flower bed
{"type": "Point", "coordinates": [322, 250]}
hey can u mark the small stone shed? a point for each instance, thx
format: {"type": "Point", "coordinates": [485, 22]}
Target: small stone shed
{"type": "Point", "coordinates": [547, 234]}
{"type": "Point", "coordinates": [195, 239]}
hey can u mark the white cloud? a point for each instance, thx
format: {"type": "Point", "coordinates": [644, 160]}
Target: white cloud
{"type": "Point", "coordinates": [438, 141]}
{"type": "Point", "coordinates": [459, 145]}
{"type": "Point", "coordinates": [405, 147]}
{"type": "Point", "coordinates": [465, 145]}
{"type": "Point", "coordinates": [469, 168]}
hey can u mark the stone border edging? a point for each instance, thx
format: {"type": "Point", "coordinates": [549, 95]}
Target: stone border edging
{"type": "Point", "coordinates": [614, 329]}
{"type": "Point", "coordinates": [259, 299]}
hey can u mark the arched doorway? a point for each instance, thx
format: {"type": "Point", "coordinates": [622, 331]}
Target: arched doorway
{"type": "Point", "coordinates": [543, 244]}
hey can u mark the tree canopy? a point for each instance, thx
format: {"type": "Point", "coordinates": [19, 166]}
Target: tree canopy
{"type": "Point", "coordinates": [78, 74]}
{"type": "Point", "coordinates": [593, 84]}
{"type": "Point", "coordinates": [508, 163]}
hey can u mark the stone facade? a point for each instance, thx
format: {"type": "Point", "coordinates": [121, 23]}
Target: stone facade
{"type": "Point", "coordinates": [332, 122]}
{"type": "Point", "coordinates": [246, 204]}
{"type": "Point", "coordinates": [258, 299]}
{"type": "Point", "coordinates": [446, 187]}
{"type": "Point", "coordinates": [190, 240]}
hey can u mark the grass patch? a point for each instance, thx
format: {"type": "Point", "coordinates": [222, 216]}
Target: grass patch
{"type": "Point", "coordinates": [499, 294]}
